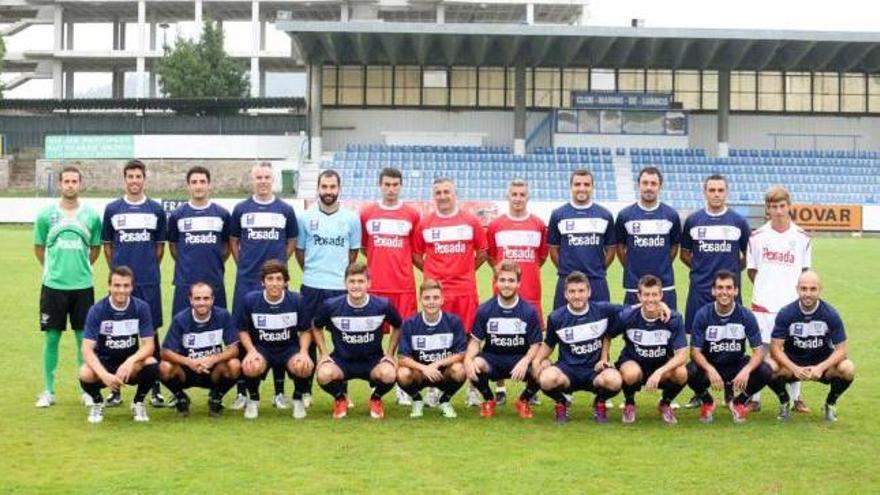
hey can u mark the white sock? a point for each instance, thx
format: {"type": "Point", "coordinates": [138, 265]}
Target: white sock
{"type": "Point", "coordinates": [500, 389]}
{"type": "Point", "coordinates": [756, 397]}
{"type": "Point", "coordinates": [794, 390]}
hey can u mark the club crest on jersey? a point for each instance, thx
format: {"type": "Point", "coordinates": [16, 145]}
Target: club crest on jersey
{"type": "Point", "coordinates": [421, 342]}
{"type": "Point", "coordinates": [637, 336]}
{"type": "Point", "coordinates": [799, 329]}
{"type": "Point", "coordinates": [569, 334]}
{"type": "Point", "coordinates": [121, 221]}
{"type": "Point", "coordinates": [187, 223]}
{"type": "Point", "coordinates": [375, 226]}
{"type": "Point", "coordinates": [637, 228]}
{"type": "Point", "coordinates": [435, 234]}
{"type": "Point", "coordinates": [106, 328]}
{"type": "Point", "coordinates": [345, 324]}
{"type": "Point", "coordinates": [190, 340]}
{"type": "Point", "coordinates": [313, 224]}
{"type": "Point", "coordinates": [701, 232]}
{"type": "Point", "coordinates": [493, 326]}
{"type": "Point", "coordinates": [249, 219]}
{"type": "Point", "coordinates": [261, 320]}
{"type": "Point", "coordinates": [286, 319]}
{"type": "Point", "coordinates": [712, 333]}
{"type": "Point", "coordinates": [569, 225]}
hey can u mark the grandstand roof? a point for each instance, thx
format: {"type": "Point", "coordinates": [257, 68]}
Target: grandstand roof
{"type": "Point", "coordinates": [560, 46]}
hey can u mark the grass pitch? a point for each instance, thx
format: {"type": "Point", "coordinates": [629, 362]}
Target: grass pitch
{"type": "Point", "coordinates": [55, 450]}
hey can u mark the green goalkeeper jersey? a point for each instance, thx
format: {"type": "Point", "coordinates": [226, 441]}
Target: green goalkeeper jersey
{"type": "Point", "coordinates": [67, 240]}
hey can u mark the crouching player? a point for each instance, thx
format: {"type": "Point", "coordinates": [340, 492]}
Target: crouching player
{"type": "Point", "coordinates": [809, 343]}
{"type": "Point", "coordinates": [432, 346]}
{"type": "Point", "coordinates": [117, 346]}
{"type": "Point", "coordinates": [200, 350]}
{"type": "Point", "coordinates": [504, 342]}
{"type": "Point", "coordinates": [274, 332]}
{"type": "Point", "coordinates": [581, 329]}
{"type": "Point", "coordinates": [355, 323]}
{"type": "Point", "coordinates": [654, 353]}
{"type": "Point", "coordinates": [719, 335]}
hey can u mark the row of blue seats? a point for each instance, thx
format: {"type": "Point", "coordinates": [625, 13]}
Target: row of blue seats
{"type": "Point", "coordinates": [667, 152]}
{"type": "Point", "coordinates": [761, 187]}
{"type": "Point", "coordinates": [860, 173]}
{"type": "Point", "coordinates": [511, 168]}
{"type": "Point", "coordinates": [805, 153]}
{"type": "Point", "coordinates": [470, 157]}
{"type": "Point", "coordinates": [483, 182]}
{"type": "Point", "coordinates": [774, 178]}
{"type": "Point", "coordinates": [842, 162]}
{"type": "Point", "coordinates": [427, 148]}
{"type": "Point", "coordinates": [568, 150]}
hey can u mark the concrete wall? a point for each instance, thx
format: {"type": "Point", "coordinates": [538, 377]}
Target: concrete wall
{"type": "Point", "coordinates": [5, 172]}
{"type": "Point", "coordinates": [163, 176]}
{"type": "Point", "coordinates": [814, 132]}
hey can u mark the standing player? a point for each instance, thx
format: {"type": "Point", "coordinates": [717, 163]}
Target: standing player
{"type": "Point", "coordinates": [521, 237]}
{"type": "Point", "coordinates": [809, 343]}
{"type": "Point", "coordinates": [713, 239]}
{"type": "Point", "coordinates": [355, 322]}
{"type": "Point", "coordinates": [432, 345]}
{"type": "Point", "coordinates": [654, 353]}
{"type": "Point", "coordinates": [328, 241]}
{"type": "Point", "coordinates": [582, 330]}
{"type": "Point", "coordinates": [200, 350]}
{"type": "Point", "coordinates": [134, 231]}
{"type": "Point", "coordinates": [263, 227]}
{"type": "Point", "coordinates": [778, 252]}
{"type": "Point", "coordinates": [449, 248]}
{"type": "Point", "coordinates": [389, 228]}
{"type": "Point", "coordinates": [504, 341]}
{"type": "Point", "coordinates": [198, 239]}
{"type": "Point", "coordinates": [67, 240]}
{"type": "Point", "coordinates": [275, 334]}
{"type": "Point", "coordinates": [118, 346]}
{"type": "Point", "coordinates": [582, 239]}
{"type": "Point", "coordinates": [719, 336]}
{"type": "Point", "coordinates": [648, 234]}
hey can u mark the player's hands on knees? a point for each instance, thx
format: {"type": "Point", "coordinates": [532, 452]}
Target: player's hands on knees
{"type": "Point", "coordinates": [602, 365]}
{"type": "Point", "coordinates": [740, 381]}
{"type": "Point", "coordinates": [203, 366]}
{"type": "Point", "coordinates": [252, 359]}
{"type": "Point", "coordinates": [324, 360]}
{"type": "Point", "coordinates": [470, 367]}
{"type": "Point", "coordinates": [111, 381]}
{"type": "Point", "coordinates": [432, 374]}
{"type": "Point", "coordinates": [653, 382]}
{"type": "Point", "coordinates": [816, 373]}
{"type": "Point", "coordinates": [124, 371]}
{"type": "Point", "coordinates": [302, 360]}
{"type": "Point", "coordinates": [801, 373]}
{"type": "Point", "coordinates": [519, 371]}
{"type": "Point", "coordinates": [715, 380]}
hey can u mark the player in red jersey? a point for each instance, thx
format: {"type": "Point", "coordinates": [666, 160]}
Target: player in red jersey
{"type": "Point", "coordinates": [521, 237]}
{"type": "Point", "coordinates": [388, 229]}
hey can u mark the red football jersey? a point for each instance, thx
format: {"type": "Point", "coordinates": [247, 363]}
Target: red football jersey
{"type": "Point", "coordinates": [388, 235]}
{"type": "Point", "coordinates": [523, 241]}
{"type": "Point", "coordinates": [449, 244]}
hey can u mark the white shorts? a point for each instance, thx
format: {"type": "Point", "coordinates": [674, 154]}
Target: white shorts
{"type": "Point", "coordinates": [766, 321]}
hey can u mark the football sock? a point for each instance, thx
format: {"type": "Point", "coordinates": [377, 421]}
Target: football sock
{"type": "Point", "coordinates": [670, 391]}
{"type": "Point", "coordinates": [147, 378]}
{"type": "Point", "coordinates": [483, 387]}
{"type": "Point", "coordinates": [253, 387]}
{"type": "Point", "coordinates": [838, 387]}
{"type": "Point", "coordinates": [300, 387]}
{"type": "Point", "coordinates": [79, 340]}
{"type": "Point", "coordinates": [278, 379]}
{"type": "Point", "coordinates": [50, 358]}
{"type": "Point", "coordinates": [94, 390]}
{"type": "Point", "coordinates": [381, 389]}
{"type": "Point", "coordinates": [448, 389]}
{"type": "Point", "coordinates": [556, 394]}
{"type": "Point", "coordinates": [334, 388]}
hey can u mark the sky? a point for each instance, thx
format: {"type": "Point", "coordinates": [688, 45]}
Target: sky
{"type": "Point", "coordinates": [822, 15]}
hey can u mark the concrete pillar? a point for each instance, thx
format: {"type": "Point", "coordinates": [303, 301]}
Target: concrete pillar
{"type": "Point", "coordinates": [262, 36]}
{"type": "Point", "coordinates": [530, 13]}
{"type": "Point", "coordinates": [519, 110]}
{"type": "Point", "coordinates": [115, 34]}
{"type": "Point", "coordinates": [197, 17]}
{"type": "Point", "coordinates": [723, 112]}
{"type": "Point", "coordinates": [58, 45]}
{"type": "Point", "coordinates": [57, 80]}
{"type": "Point", "coordinates": [315, 110]}
{"type": "Point", "coordinates": [152, 84]}
{"type": "Point", "coordinates": [68, 83]}
{"type": "Point", "coordinates": [68, 42]}
{"type": "Point", "coordinates": [343, 12]}
{"type": "Point", "coordinates": [117, 87]}
{"type": "Point", "coordinates": [58, 25]}
{"type": "Point", "coordinates": [140, 62]}
{"type": "Point", "coordinates": [441, 13]}
{"type": "Point", "coordinates": [255, 49]}
{"type": "Point", "coordinates": [262, 92]}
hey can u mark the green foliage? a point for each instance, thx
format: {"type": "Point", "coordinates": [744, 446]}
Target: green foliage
{"type": "Point", "coordinates": [201, 68]}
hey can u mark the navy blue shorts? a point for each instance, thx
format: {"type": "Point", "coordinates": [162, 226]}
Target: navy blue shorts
{"type": "Point", "coordinates": [598, 292]}
{"type": "Point", "coordinates": [242, 288]}
{"type": "Point", "coordinates": [648, 369]}
{"type": "Point", "coordinates": [669, 297]}
{"type": "Point", "coordinates": [695, 301]}
{"type": "Point", "coordinates": [276, 357]}
{"type": "Point", "coordinates": [152, 295]}
{"type": "Point", "coordinates": [194, 379]}
{"type": "Point", "coordinates": [580, 377]}
{"type": "Point", "coordinates": [360, 369]}
{"type": "Point", "coordinates": [181, 298]}
{"type": "Point", "coordinates": [500, 365]}
{"type": "Point", "coordinates": [312, 299]}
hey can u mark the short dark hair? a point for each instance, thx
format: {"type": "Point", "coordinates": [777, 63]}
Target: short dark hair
{"type": "Point", "coordinates": [198, 169]}
{"type": "Point", "coordinates": [714, 177]}
{"type": "Point", "coordinates": [274, 266]}
{"type": "Point", "coordinates": [330, 173]}
{"type": "Point", "coordinates": [577, 277]}
{"type": "Point", "coordinates": [357, 268]}
{"type": "Point", "coordinates": [121, 271]}
{"type": "Point", "coordinates": [391, 173]}
{"type": "Point", "coordinates": [70, 169]}
{"type": "Point", "coordinates": [509, 266]}
{"type": "Point", "coordinates": [724, 275]}
{"type": "Point", "coordinates": [648, 281]}
{"type": "Point", "coordinates": [581, 172]}
{"type": "Point", "coordinates": [201, 284]}
{"type": "Point", "coordinates": [651, 170]}
{"type": "Point", "coordinates": [134, 165]}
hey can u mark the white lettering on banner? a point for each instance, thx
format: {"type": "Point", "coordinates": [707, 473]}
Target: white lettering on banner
{"type": "Point", "coordinates": [582, 226]}
{"type": "Point", "coordinates": [462, 232]}
{"type": "Point", "coordinates": [505, 326]}
{"type": "Point", "coordinates": [583, 332]}
{"type": "Point", "coordinates": [388, 226]}
{"type": "Point", "coordinates": [648, 227]}
{"type": "Point", "coordinates": [736, 331]}
{"type": "Point", "coordinates": [200, 224]}
{"type": "Point", "coordinates": [203, 339]}
{"type": "Point", "coordinates": [134, 221]}
{"type": "Point", "coordinates": [518, 238]}
{"type": "Point", "coordinates": [433, 342]}
{"type": "Point", "coordinates": [808, 329]}
{"type": "Point", "coordinates": [274, 321]}
{"type": "Point", "coordinates": [357, 323]}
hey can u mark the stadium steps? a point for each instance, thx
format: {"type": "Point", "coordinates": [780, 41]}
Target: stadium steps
{"type": "Point", "coordinates": [623, 178]}
{"type": "Point", "coordinates": [22, 171]}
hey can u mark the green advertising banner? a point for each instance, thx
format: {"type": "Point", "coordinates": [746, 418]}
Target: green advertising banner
{"type": "Point", "coordinates": [94, 146]}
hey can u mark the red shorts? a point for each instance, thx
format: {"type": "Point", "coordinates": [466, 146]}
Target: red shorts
{"type": "Point", "coordinates": [462, 305]}
{"type": "Point", "coordinates": [404, 302]}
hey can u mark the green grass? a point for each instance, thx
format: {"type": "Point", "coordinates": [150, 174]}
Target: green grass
{"type": "Point", "coordinates": [55, 450]}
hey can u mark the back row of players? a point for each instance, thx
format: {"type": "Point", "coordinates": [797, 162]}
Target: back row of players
{"type": "Point", "coordinates": [448, 245]}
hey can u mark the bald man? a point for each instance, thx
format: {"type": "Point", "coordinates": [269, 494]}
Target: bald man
{"type": "Point", "coordinates": [809, 343]}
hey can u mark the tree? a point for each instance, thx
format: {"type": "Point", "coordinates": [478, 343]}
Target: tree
{"type": "Point", "coordinates": [201, 68]}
